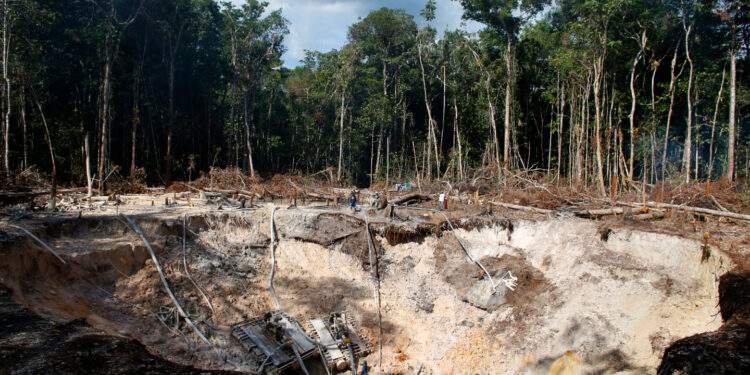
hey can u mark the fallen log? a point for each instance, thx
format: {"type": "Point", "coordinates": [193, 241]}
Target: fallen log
{"type": "Point", "coordinates": [410, 197]}
{"type": "Point", "coordinates": [522, 208]}
{"type": "Point", "coordinates": [649, 216]}
{"type": "Point", "coordinates": [614, 211]}
{"type": "Point", "coordinates": [603, 212]}
{"type": "Point", "coordinates": [699, 210]}
{"type": "Point", "coordinates": [31, 194]}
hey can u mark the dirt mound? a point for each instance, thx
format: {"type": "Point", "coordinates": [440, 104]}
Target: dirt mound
{"type": "Point", "coordinates": [725, 351]}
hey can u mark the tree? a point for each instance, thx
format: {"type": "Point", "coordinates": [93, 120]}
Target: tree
{"type": "Point", "coordinates": [114, 28]}
{"type": "Point", "coordinates": [505, 17]}
{"type": "Point", "coordinates": [6, 50]}
{"type": "Point", "coordinates": [736, 16]}
{"type": "Point", "coordinates": [255, 47]}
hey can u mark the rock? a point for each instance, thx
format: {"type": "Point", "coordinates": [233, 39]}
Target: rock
{"type": "Point", "coordinates": [480, 295]}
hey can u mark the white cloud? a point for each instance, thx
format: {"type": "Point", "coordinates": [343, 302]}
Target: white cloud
{"type": "Point", "coordinates": [322, 25]}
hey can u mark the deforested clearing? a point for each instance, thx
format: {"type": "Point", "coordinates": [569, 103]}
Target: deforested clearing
{"type": "Point", "coordinates": [375, 187]}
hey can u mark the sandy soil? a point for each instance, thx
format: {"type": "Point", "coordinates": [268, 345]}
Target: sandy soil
{"type": "Point", "coordinates": [584, 303]}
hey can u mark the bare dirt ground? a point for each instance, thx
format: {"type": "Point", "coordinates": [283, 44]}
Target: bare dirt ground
{"type": "Point", "coordinates": [592, 296]}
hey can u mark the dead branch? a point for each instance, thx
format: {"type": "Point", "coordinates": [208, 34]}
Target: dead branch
{"type": "Point", "coordinates": [717, 203]}
{"type": "Point", "coordinates": [31, 194]}
{"type": "Point", "coordinates": [522, 208]}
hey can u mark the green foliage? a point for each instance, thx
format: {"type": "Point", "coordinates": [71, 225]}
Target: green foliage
{"type": "Point", "coordinates": [230, 85]}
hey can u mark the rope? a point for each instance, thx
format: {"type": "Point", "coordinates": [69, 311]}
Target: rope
{"type": "Point", "coordinates": [375, 292]}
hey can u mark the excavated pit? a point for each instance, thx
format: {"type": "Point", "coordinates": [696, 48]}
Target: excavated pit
{"type": "Point", "coordinates": [584, 302]}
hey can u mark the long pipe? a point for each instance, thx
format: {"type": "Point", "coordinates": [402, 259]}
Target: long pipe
{"type": "Point", "coordinates": [44, 245]}
{"type": "Point", "coordinates": [278, 304]}
{"type": "Point", "coordinates": [164, 280]}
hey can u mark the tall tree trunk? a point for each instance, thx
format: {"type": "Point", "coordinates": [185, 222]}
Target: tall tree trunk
{"type": "Point", "coordinates": [53, 191]}
{"type": "Point", "coordinates": [672, 89]}
{"type": "Point", "coordinates": [598, 75]}
{"type": "Point", "coordinates": [442, 124]}
{"type": "Point", "coordinates": [493, 126]}
{"type": "Point", "coordinates": [560, 132]}
{"type": "Point", "coordinates": [387, 162]}
{"type": "Point", "coordinates": [729, 175]}
{"type": "Point", "coordinates": [136, 109]}
{"type": "Point", "coordinates": [631, 116]}
{"type": "Point", "coordinates": [689, 135]}
{"type": "Point", "coordinates": [6, 51]}
{"type": "Point", "coordinates": [22, 106]}
{"type": "Point", "coordinates": [572, 132]}
{"type": "Point", "coordinates": [341, 135]}
{"type": "Point", "coordinates": [170, 124]}
{"type": "Point", "coordinates": [378, 155]}
{"type": "Point", "coordinates": [508, 86]}
{"type": "Point", "coordinates": [104, 121]}
{"type": "Point", "coordinates": [136, 120]}
{"type": "Point", "coordinates": [431, 126]}
{"type": "Point", "coordinates": [458, 141]}
{"type": "Point", "coordinates": [653, 117]}
{"type": "Point", "coordinates": [89, 179]}
{"type": "Point", "coordinates": [551, 130]}
{"type": "Point", "coordinates": [713, 126]}
{"type": "Point", "coordinates": [170, 119]}
{"type": "Point", "coordinates": [416, 163]}
{"type": "Point", "coordinates": [385, 78]}
{"type": "Point", "coordinates": [247, 136]}
{"type": "Point", "coordinates": [113, 35]}
{"type": "Point", "coordinates": [404, 160]}
{"type": "Point", "coordinates": [372, 152]}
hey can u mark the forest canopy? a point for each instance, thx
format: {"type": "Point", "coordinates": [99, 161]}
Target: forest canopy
{"type": "Point", "coordinates": [581, 91]}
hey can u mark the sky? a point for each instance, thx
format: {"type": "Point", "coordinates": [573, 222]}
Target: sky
{"type": "Point", "coordinates": [322, 25]}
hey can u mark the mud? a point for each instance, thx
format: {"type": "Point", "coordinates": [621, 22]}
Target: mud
{"type": "Point", "coordinates": [583, 303]}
